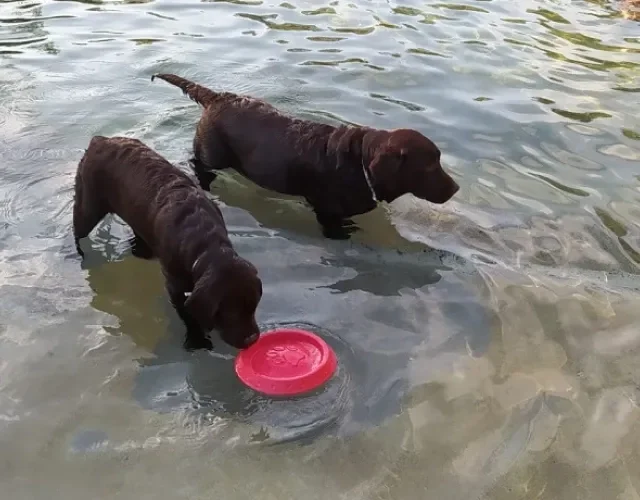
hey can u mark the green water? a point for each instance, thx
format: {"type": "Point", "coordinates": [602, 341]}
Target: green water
{"type": "Point", "coordinates": [489, 347]}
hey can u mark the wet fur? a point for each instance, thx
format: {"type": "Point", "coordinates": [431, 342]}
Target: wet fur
{"type": "Point", "coordinates": [173, 220]}
{"type": "Point", "coordinates": [324, 164]}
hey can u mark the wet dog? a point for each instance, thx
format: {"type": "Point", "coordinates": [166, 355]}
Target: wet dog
{"type": "Point", "coordinates": [341, 171]}
{"type": "Point", "coordinates": [172, 218]}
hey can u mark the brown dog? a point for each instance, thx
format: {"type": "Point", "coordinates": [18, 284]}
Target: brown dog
{"type": "Point", "coordinates": [341, 171]}
{"type": "Point", "coordinates": [174, 220]}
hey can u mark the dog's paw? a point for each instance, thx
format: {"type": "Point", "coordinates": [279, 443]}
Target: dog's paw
{"type": "Point", "coordinates": [197, 342]}
{"type": "Point", "coordinates": [336, 232]}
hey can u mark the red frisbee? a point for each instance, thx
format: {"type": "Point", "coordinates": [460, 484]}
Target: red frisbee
{"type": "Point", "coordinates": [286, 362]}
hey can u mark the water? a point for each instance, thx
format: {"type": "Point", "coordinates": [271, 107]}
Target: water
{"type": "Point", "coordinates": [488, 347]}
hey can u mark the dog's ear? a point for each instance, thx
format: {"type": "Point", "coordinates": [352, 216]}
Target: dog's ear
{"type": "Point", "coordinates": [204, 301]}
{"type": "Point", "coordinates": [385, 167]}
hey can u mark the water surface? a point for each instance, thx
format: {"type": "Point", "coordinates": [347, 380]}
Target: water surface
{"type": "Point", "coordinates": [489, 347]}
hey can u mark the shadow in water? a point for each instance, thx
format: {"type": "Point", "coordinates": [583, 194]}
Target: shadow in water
{"type": "Point", "coordinates": [375, 308]}
{"type": "Point", "coordinates": [281, 212]}
{"type": "Point", "coordinates": [382, 276]}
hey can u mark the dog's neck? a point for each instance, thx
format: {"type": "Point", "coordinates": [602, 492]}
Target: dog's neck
{"type": "Point", "coordinates": [195, 266]}
{"type": "Point", "coordinates": [202, 263]}
{"type": "Point", "coordinates": [367, 153]}
{"type": "Point", "coordinates": [348, 144]}
{"type": "Point", "coordinates": [367, 178]}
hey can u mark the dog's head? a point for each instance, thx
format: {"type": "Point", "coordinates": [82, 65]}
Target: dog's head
{"type": "Point", "coordinates": [226, 298]}
{"type": "Point", "coordinates": [405, 161]}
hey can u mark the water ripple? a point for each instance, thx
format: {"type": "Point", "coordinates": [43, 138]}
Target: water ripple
{"type": "Point", "coordinates": [492, 341]}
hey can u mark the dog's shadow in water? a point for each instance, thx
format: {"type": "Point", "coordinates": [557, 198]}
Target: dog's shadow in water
{"type": "Point", "coordinates": [292, 214]}
{"type": "Point", "coordinates": [173, 380]}
{"type": "Point", "coordinates": [132, 290]}
{"type": "Point", "coordinates": [201, 384]}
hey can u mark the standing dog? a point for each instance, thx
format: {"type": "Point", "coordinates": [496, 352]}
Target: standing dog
{"type": "Point", "coordinates": [209, 285]}
{"type": "Point", "coordinates": [340, 171]}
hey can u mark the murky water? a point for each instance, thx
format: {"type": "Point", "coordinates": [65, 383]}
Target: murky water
{"type": "Point", "coordinates": [489, 348]}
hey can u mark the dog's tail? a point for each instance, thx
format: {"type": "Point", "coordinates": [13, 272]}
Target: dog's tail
{"type": "Point", "coordinates": [198, 93]}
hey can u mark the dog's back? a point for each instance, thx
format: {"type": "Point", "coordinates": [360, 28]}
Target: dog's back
{"type": "Point", "coordinates": [122, 172]}
{"type": "Point", "coordinates": [123, 176]}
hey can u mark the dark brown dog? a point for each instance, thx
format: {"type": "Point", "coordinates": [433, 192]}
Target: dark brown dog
{"type": "Point", "coordinates": [341, 171]}
{"type": "Point", "coordinates": [173, 219]}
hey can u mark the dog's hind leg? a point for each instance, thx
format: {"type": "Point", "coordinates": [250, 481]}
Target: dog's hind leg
{"type": "Point", "coordinates": [86, 215]}
{"type": "Point", "coordinates": [214, 155]}
{"type": "Point", "coordinates": [205, 177]}
{"type": "Point", "coordinates": [140, 248]}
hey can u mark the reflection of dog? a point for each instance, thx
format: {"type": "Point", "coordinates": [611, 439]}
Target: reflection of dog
{"type": "Point", "coordinates": [341, 171]}
{"type": "Point", "coordinates": [173, 219]}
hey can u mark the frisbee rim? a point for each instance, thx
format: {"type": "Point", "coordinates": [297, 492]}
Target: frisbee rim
{"type": "Point", "coordinates": [292, 385]}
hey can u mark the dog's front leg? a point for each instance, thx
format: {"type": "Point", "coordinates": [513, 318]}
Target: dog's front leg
{"type": "Point", "coordinates": [195, 337]}
{"type": "Point", "coordinates": [335, 227]}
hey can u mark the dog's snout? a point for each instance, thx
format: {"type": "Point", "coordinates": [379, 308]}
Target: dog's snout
{"type": "Point", "coordinates": [251, 339]}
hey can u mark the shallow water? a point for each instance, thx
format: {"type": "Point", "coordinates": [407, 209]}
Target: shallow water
{"type": "Point", "coordinates": [488, 347]}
